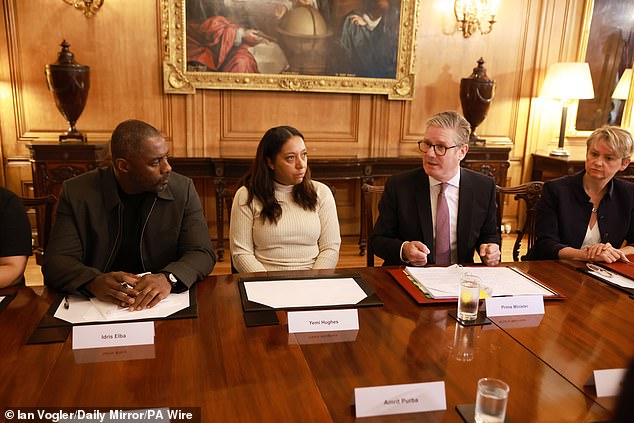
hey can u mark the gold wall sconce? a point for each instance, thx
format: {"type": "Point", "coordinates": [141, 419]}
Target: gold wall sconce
{"type": "Point", "coordinates": [475, 15]}
{"type": "Point", "coordinates": [88, 7]}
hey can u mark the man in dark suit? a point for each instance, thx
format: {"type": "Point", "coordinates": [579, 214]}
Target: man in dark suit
{"type": "Point", "coordinates": [132, 232]}
{"type": "Point", "coordinates": [406, 230]}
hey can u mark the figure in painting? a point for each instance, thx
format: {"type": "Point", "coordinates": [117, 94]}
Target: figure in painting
{"type": "Point", "coordinates": [311, 37]}
{"type": "Point", "coordinates": [224, 39]}
{"type": "Point", "coordinates": [369, 40]}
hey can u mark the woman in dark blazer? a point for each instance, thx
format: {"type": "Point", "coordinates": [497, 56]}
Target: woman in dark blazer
{"type": "Point", "coordinates": [590, 215]}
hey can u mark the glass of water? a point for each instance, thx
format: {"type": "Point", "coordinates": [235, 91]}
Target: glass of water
{"type": "Point", "coordinates": [468, 297]}
{"type": "Point", "coordinates": [491, 401]}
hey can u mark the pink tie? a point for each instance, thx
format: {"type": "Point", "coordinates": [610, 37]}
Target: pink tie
{"type": "Point", "coordinates": [443, 246]}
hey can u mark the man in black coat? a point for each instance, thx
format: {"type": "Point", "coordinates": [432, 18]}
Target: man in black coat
{"type": "Point", "coordinates": [130, 233]}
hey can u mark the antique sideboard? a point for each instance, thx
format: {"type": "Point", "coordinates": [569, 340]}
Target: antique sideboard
{"type": "Point", "coordinates": [53, 163]}
{"type": "Point", "coordinates": [546, 167]}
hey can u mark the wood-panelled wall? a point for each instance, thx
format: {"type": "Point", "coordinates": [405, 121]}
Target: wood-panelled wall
{"type": "Point", "coordinates": [122, 45]}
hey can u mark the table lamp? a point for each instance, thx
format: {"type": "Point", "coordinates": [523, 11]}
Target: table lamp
{"type": "Point", "coordinates": [567, 81]}
{"type": "Point", "coordinates": [622, 90]}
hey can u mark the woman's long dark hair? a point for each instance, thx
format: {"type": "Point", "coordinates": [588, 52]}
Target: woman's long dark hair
{"type": "Point", "coordinates": [259, 179]}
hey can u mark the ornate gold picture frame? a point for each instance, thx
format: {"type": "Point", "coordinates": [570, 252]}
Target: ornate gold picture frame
{"type": "Point", "coordinates": [603, 48]}
{"type": "Point", "coordinates": [290, 45]}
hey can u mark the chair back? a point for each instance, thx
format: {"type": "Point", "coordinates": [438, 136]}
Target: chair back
{"type": "Point", "coordinates": [371, 195]}
{"type": "Point", "coordinates": [227, 196]}
{"type": "Point", "coordinates": [43, 207]}
{"type": "Point", "coordinates": [529, 193]}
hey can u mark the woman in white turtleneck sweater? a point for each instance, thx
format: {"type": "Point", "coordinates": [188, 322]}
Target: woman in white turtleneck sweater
{"type": "Point", "coordinates": [280, 218]}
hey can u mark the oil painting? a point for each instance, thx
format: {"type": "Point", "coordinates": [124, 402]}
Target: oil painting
{"type": "Point", "coordinates": [353, 46]}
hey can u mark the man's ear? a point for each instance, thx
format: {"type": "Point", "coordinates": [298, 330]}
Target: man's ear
{"type": "Point", "coordinates": [121, 165]}
{"type": "Point", "coordinates": [463, 150]}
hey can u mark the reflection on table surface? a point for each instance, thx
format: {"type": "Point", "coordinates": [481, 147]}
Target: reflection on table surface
{"type": "Point", "coordinates": [266, 374]}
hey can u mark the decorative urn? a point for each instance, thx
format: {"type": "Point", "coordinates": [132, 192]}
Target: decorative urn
{"type": "Point", "coordinates": [69, 82]}
{"type": "Point", "coordinates": [476, 93]}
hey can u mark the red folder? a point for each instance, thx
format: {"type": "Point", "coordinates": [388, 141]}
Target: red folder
{"type": "Point", "coordinates": [624, 268]}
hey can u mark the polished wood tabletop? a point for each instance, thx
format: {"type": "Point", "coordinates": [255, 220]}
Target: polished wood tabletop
{"type": "Point", "coordinates": [233, 372]}
{"type": "Point", "coordinates": [591, 330]}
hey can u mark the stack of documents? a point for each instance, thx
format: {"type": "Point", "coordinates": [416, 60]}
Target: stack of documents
{"type": "Point", "coordinates": [443, 282]}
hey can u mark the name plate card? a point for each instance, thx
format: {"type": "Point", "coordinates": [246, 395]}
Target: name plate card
{"type": "Point", "coordinates": [514, 306]}
{"type": "Point", "coordinates": [322, 320]}
{"type": "Point", "coordinates": [114, 335]}
{"type": "Point", "coordinates": [400, 399]}
{"type": "Point", "coordinates": [608, 382]}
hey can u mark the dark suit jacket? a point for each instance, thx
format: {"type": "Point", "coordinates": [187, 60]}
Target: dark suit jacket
{"type": "Point", "coordinates": [564, 210]}
{"type": "Point", "coordinates": [405, 215]}
{"type": "Point", "coordinates": [87, 233]}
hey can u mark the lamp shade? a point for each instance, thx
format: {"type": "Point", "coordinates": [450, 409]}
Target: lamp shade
{"type": "Point", "coordinates": [568, 81]}
{"type": "Point", "coordinates": [622, 90]}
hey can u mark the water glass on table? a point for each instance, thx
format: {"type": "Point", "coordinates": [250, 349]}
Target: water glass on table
{"type": "Point", "coordinates": [491, 401]}
{"type": "Point", "coordinates": [468, 297]}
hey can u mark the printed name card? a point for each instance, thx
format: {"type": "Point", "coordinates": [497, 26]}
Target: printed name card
{"type": "Point", "coordinates": [608, 382]}
{"type": "Point", "coordinates": [515, 306]}
{"type": "Point", "coordinates": [323, 320]}
{"type": "Point", "coordinates": [400, 399]}
{"type": "Point", "coordinates": [114, 335]}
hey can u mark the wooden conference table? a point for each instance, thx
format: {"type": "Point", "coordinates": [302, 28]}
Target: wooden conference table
{"type": "Point", "coordinates": [235, 373]}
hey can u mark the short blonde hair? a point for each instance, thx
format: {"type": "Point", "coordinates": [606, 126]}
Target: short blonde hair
{"type": "Point", "coordinates": [451, 120]}
{"type": "Point", "coordinates": [616, 138]}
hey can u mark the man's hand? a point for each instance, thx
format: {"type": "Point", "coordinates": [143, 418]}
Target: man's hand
{"type": "Point", "coordinates": [152, 288]}
{"type": "Point", "coordinates": [357, 20]}
{"type": "Point", "coordinates": [114, 287]}
{"type": "Point", "coordinates": [490, 254]}
{"type": "Point", "coordinates": [252, 37]}
{"type": "Point", "coordinates": [415, 252]}
{"type": "Point", "coordinates": [604, 253]}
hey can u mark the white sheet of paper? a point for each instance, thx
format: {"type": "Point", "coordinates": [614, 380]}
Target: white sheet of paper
{"type": "Point", "coordinates": [616, 279]}
{"type": "Point", "coordinates": [110, 311]}
{"type": "Point", "coordinates": [399, 399]}
{"type": "Point", "coordinates": [305, 292]}
{"type": "Point", "coordinates": [443, 282]}
{"type": "Point", "coordinates": [83, 310]}
{"type": "Point", "coordinates": [440, 282]}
